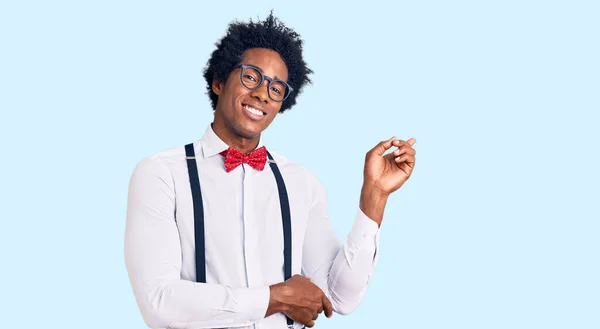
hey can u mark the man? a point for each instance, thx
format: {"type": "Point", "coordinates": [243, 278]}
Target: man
{"type": "Point", "coordinates": [225, 233]}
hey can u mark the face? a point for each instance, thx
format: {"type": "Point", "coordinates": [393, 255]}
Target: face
{"type": "Point", "coordinates": [245, 113]}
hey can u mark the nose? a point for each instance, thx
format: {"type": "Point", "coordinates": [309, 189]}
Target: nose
{"type": "Point", "coordinates": [262, 92]}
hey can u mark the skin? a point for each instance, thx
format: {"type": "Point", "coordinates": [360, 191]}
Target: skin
{"type": "Point", "coordinates": [298, 297]}
{"type": "Point", "coordinates": [231, 123]}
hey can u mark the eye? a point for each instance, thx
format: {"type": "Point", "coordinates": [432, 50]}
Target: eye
{"type": "Point", "coordinates": [276, 90]}
{"type": "Point", "coordinates": [249, 77]}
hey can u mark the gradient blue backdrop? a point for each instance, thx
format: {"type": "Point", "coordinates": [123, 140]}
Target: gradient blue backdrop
{"type": "Point", "coordinates": [497, 228]}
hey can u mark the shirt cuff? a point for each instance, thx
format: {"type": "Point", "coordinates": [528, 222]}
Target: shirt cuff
{"type": "Point", "coordinates": [252, 304]}
{"type": "Point", "coordinates": [364, 237]}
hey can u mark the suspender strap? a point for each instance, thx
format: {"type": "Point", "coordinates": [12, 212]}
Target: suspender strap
{"type": "Point", "coordinates": [285, 216]}
{"type": "Point", "coordinates": [287, 224]}
{"type": "Point", "coordinates": [198, 213]}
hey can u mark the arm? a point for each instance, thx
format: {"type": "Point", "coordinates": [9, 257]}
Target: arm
{"type": "Point", "coordinates": [153, 260]}
{"type": "Point", "coordinates": [341, 270]}
{"type": "Point", "coordinates": [344, 271]}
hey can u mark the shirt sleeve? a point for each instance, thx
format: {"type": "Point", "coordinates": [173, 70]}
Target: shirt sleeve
{"type": "Point", "coordinates": [342, 270]}
{"type": "Point", "coordinates": [153, 261]}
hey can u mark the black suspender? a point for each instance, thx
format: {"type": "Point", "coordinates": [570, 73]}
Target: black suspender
{"type": "Point", "coordinates": [286, 216]}
{"type": "Point", "coordinates": [199, 218]}
{"type": "Point", "coordinates": [198, 213]}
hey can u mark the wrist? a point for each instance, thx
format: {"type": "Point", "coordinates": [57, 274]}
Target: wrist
{"type": "Point", "coordinates": [372, 202]}
{"type": "Point", "coordinates": [369, 189]}
{"type": "Point", "coordinates": [276, 299]}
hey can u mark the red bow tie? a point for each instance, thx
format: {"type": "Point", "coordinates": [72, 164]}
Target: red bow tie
{"type": "Point", "coordinates": [256, 159]}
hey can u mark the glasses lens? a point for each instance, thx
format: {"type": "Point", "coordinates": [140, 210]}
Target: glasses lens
{"type": "Point", "coordinates": [251, 78]}
{"type": "Point", "coordinates": [278, 90]}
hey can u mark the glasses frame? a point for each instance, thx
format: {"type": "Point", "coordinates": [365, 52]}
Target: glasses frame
{"type": "Point", "coordinates": [262, 79]}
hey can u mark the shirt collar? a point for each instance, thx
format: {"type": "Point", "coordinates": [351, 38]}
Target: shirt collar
{"type": "Point", "coordinates": [213, 144]}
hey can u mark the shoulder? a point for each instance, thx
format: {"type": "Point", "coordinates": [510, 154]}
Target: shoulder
{"type": "Point", "coordinates": [160, 164]}
{"type": "Point", "coordinates": [293, 169]}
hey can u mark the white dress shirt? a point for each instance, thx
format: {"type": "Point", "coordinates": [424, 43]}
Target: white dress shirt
{"type": "Point", "coordinates": [244, 241]}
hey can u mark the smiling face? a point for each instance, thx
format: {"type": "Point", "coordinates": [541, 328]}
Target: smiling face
{"type": "Point", "coordinates": [242, 114]}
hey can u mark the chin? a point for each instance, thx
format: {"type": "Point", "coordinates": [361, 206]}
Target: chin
{"type": "Point", "coordinates": [248, 132]}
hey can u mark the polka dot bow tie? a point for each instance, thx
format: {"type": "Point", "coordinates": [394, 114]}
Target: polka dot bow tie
{"type": "Point", "coordinates": [256, 159]}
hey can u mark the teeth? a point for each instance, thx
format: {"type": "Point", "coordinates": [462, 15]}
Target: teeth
{"type": "Point", "coordinates": [253, 110]}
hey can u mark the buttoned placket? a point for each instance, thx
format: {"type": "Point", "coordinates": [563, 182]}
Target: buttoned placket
{"type": "Point", "coordinates": [253, 270]}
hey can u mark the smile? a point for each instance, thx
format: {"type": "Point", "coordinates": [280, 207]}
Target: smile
{"type": "Point", "coordinates": [253, 110]}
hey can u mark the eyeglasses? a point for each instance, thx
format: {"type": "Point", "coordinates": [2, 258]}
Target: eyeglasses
{"type": "Point", "coordinates": [252, 78]}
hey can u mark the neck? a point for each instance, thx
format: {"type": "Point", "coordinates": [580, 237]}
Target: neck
{"type": "Point", "coordinates": [240, 143]}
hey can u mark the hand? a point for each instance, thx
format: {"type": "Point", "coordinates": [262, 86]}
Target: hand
{"type": "Point", "coordinates": [299, 299]}
{"type": "Point", "coordinates": [387, 173]}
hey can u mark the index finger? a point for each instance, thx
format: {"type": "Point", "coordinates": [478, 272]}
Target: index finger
{"type": "Point", "coordinates": [327, 307]}
{"type": "Point", "coordinates": [410, 142]}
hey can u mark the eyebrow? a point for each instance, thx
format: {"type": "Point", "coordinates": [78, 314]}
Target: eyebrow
{"type": "Point", "coordinates": [261, 71]}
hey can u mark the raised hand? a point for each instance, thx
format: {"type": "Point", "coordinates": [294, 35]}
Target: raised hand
{"type": "Point", "coordinates": [387, 173]}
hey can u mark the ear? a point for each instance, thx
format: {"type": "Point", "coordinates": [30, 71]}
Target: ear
{"type": "Point", "coordinates": [217, 86]}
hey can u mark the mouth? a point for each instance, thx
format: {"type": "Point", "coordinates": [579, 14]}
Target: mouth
{"type": "Point", "coordinates": [253, 111]}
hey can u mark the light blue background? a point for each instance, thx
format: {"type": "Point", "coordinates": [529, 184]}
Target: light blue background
{"type": "Point", "coordinates": [497, 228]}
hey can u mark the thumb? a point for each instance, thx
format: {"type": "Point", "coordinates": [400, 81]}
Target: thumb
{"type": "Point", "coordinates": [411, 141]}
{"type": "Point", "coordinates": [383, 146]}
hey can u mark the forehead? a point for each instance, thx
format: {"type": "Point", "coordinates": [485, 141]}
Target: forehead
{"type": "Point", "coordinates": [269, 61]}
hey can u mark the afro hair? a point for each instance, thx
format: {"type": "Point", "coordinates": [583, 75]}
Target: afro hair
{"type": "Point", "coordinates": [270, 34]}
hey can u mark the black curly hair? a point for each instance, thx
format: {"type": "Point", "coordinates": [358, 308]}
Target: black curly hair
{"type": "Point", "coordinates": [271, 34]}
